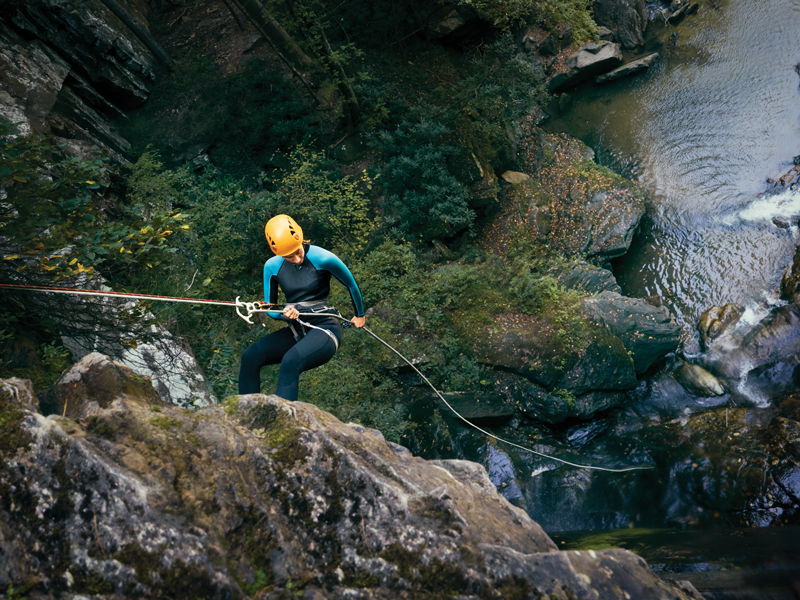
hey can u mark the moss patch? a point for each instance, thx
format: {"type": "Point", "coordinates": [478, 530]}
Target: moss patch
{"type": "Point", "coordinates": [165, 423]}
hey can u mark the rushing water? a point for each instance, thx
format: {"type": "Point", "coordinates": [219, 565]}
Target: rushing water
{"type": "Point", "coordinates": [715, 116]}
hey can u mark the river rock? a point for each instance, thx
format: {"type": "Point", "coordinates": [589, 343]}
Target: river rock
{"type": "Point", "coordinates": [631, 68]}
{"type": "Point", "coordinates": [585, 277]}
{"type": "Point", "coordinates": [648, 332]}
{"type": "Point", "coordinates": [769, 350]}
{"type": "Point", "coordinates": [717, 321]}
{"type": "Point", "coordinates": [697, 380]}
{"type": "Point", "coordinates": [590, 60]}
{"type": "Point", "coordinates": [681, 8]}
{"type": "Point", "coordinates": [625, 17]}
{"type": "Point", "coordinates": [532, 347]}
{"type": "Point", "coordinates": [144, 500]}
{"type": "Point", "coordinates": [790, 283]}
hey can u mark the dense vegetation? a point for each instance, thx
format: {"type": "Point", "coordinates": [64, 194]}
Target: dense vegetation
{"type": "Point", "coordinates": [413, 114]}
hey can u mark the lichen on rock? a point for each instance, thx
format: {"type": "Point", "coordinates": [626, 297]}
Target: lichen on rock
{"type": "Point", "coordinates": [138, 498]}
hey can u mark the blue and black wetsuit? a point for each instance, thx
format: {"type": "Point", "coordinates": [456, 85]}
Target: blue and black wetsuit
{"type": "Point", "coordinates": [298, 348]}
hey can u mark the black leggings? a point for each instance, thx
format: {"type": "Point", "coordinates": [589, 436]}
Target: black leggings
{"type": "Point", "coordinates": [313, 350]}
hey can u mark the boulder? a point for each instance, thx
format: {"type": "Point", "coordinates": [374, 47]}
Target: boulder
{"type": "Point", "coordinates": [698, 381]}
{"type": "Point", "coordinates": [536, 403]}
{"type": "Point", "coordinates": [586, 277]}
{"type": "Point", "coordinates": [532, 347]}
{"type": "Point", "coordinates": [138, 500]}
{"type": "Point", "coordinates": [717, 321]}
{"type": "Point", "coordinates": [604, 33]}
{"type": "Point", "coordinates": [590, 60]}
{"type": "Point", "coordinates": [631, 68]}
{"type": "Point", "coordinates": [679, 9]}
{"type": "Point", "coordinates": [613, 216]}
{"type": "Point", "coordinates": [627, 18]}
{"type": "Point", "coordinates": [591, 211]}
{"type": "Point", "coordinates": [649, 333]}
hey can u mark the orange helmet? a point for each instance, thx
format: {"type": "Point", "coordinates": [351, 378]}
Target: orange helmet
{"type": "Point", "coordinates": [284, 235]}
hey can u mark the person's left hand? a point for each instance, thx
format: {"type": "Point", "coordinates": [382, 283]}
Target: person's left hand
{"type": "Point", "coordinates": [358, 322]}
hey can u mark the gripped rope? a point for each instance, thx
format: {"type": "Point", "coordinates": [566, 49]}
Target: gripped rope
{"type": "Point", "coordinates": [256, 307]}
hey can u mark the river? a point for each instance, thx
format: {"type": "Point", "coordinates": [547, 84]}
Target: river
{"type": "Point", "coordinates": [715, 116]}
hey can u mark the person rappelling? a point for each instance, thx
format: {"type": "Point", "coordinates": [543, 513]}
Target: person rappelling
{"type": "Point", "coordinates": [303, 273]}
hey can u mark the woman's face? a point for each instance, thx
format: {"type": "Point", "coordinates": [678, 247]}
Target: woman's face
{"type": "Point", "coordinates": [297, 256]}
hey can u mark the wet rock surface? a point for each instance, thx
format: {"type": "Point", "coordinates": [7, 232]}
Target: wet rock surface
{"type": "Point", "coordinates": [648, 332]}
{"type": "Point", "coordinates": [628, 69]}
{"type": "Point", "coordinates": [698, 381]}
{"type": "Point", "coordinates": [766, 354]}
{"type": "Point", "coordinates": [137, 498]}
{"type": "Point", "coordinates": [715, 322]}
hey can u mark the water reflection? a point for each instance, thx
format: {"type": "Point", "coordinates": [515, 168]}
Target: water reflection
{"type": "Point", "coordinates": [702, 131]}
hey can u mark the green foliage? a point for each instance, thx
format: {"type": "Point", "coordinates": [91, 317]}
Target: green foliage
{"type": "Point", "coordinates": [330, 206]}
{"type": "Point", "coordinates": [505, 14]}
{"type": "Point", "coordinates": [51, 360]}
{"type": "Point", "coordinates": [576, 13]}
{"type": "Point", "coordinates": [420, 142]}
{"type": "Point", "coordinates": [56, 222]}
{"type": "Point", "coordinates": [426, 200]}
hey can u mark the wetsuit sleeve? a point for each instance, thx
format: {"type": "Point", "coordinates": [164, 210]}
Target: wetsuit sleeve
{"type": "Point", "coordinates": [328, 261]}
{"type": "Point", "coordinates": [271, 268]}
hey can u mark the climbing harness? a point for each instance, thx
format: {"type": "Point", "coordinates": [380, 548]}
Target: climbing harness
{"type": "Point", "coordinates": [246, 310]}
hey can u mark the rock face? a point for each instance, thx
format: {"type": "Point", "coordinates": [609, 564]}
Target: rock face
{"type": "Point", "coordinates": [648, 332]}
{"type": "Point", "coordinates": [590, 60]}
{"type": "Point", "coordinates": [141, 499]}
{"type": "Point", "coordinates": [67, 68]}
{"type": "Point", "coordinates": [627, 18]}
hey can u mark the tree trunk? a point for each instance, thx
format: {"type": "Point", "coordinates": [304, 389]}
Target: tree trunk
{"type": "Point", "coordinates": [269, 27]}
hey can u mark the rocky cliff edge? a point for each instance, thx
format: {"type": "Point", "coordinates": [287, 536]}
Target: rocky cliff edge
{"type": "Point", "coordinates": [258, 497]}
